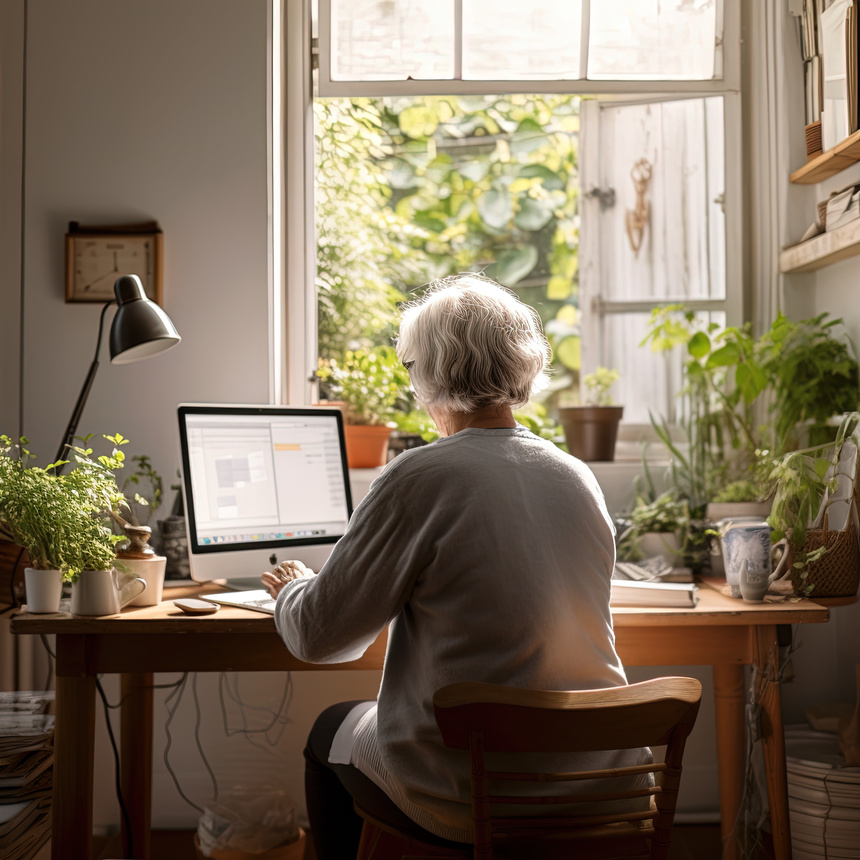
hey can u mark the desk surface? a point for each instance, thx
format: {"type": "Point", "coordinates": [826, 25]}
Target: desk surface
{"type": "Point", "coordinates": [714, 608]}
{"type": "Point", "coordinates": [720, 631]}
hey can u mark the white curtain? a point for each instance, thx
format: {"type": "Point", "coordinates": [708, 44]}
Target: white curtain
{"type": "Point", "coordinates": [775, 145]}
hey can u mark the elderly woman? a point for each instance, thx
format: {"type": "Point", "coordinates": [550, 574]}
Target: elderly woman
{"type": "Point", "coordinates": [488, 555]}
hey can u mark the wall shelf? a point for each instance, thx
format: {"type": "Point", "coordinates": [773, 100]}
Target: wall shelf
{"type": "Point", "coordinates": [822, 250]}
{"type": "Point", "coordinates": [829, 163]}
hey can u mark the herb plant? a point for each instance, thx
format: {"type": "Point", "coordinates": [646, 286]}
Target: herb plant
{"type": "Point", "coordinates": [597, 386]}
{"type": "Point", "coordinates": [372, 382]}
{"type": "Point", "coordinates": [60, 519]}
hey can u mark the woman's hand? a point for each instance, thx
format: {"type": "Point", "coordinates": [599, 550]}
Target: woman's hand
{"type": "Point", "coordinates": [286, 571]}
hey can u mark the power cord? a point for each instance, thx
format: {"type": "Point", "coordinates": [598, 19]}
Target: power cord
{"type": "Point", "coordinates": [280, 716]}
{"type": "Point", "coordinates": [197, 738]}
{"type": "Point", "coordinates": [171, 712]}
{"type": "Point", "coordinates": [117, 782]}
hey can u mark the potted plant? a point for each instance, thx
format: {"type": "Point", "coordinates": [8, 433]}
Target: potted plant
{"type": "Point", "coordinates": [815, 508]}
{"type": "Point", "coordinates": [591, 429]}
{"type": "Point", "coordinates": [134, 554]}
{"type": "Point", "coordinates": [57, 518]}
{"type": "Point", "coordinates": [657, 526]}
{"type": "Point", "coordinates": [373, 386]}
{"type": "Point", "coordinates": [812, 372]}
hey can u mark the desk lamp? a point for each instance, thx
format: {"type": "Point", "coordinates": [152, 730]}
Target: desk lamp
{"type": "Point", "coordinates": [139, 330]}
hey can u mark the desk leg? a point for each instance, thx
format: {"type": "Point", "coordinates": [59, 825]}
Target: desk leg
{"type": "Point", "coordinates": [729, 716]}
{"type": "Point", "coordinates": [74, 745]}
{"type": "Point", "coordinates": [773, 739]}
{"type": "Point", "coordinates": [136, 759]}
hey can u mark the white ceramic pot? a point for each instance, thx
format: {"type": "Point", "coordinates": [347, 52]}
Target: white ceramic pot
{"type": "Point", "coordinates": [661, 543]}
{"type": "Point", "coordinates": [151, 571]}
{"type": "Point", "coordinates": [44, 590]}
{"type": "Point", "coordinates": [104, 592]}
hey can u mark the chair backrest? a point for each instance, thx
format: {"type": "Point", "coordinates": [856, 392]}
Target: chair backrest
{"type": "Point", "coordinates": [486, 718]}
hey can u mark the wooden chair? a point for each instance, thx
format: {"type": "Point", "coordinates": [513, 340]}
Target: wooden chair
{"type": "Point", "coordinates": [486, 718]}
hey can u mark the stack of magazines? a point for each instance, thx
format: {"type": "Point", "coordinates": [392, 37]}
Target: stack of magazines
{"type": "Point", "coordinates": [26, 760]}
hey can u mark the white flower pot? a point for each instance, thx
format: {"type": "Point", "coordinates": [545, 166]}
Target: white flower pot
{"type": "Point", "coordinates": [44, 590]}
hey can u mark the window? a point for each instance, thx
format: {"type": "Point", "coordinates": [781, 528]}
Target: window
{"type": "Point", "coordinates": [593, 246]}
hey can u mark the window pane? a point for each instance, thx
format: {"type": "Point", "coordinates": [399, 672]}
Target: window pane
{"type": "Point", "coordinates": [649, 380]}
{"type": "Point", "coordinates": [652, 40]}
{"type": "Point", "coordinates": [392, 40]}
{"type": "Point", "coordinates": [512, 40]}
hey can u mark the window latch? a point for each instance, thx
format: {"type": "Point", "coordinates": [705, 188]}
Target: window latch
{"type": "Point", "coordinates": [606, 196]}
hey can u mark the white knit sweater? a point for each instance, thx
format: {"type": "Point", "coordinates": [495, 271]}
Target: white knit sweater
{"type": "Point", "coordinates": [489, 553]}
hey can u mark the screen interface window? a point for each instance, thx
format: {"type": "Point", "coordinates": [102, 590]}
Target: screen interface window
{"type": "Point", "coordinates": [264, 478]}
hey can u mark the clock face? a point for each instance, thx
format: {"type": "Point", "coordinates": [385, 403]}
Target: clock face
{"type": "Point", "coordinates": [99, 260]}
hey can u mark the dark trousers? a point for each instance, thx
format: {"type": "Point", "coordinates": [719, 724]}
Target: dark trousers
{"type": "Point", "coordinates": [332, 789]}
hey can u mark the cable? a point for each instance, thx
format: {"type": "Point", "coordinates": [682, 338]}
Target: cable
{"type": "Point", "coordinates": [117, 781]}
{"type": "Point", "coordinates": [122, 701]}
{"type": "Point", "coordinates": [278, 717]}
{"type": "Point", "coordinates": [52, 657]}
{"type": "Point", "coordinates": [197, 738]}
{"type": "Point", "coordinates": [177, 693]}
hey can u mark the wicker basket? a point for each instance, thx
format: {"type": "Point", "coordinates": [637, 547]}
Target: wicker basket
{"type": "Point", "coordinates": [837, 572]}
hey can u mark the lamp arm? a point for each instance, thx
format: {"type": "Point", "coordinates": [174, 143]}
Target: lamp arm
{"type": "Point", "coordinates": [69, 435]}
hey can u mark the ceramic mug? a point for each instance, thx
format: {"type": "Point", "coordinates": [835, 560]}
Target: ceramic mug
{"type": "Point", "coordinates": [104, 592]}
{"type": "Point", "coordinates": [747, 550]}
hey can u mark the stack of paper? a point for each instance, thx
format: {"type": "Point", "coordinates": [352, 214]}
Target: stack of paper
{"type": "Point", "coordinates": [26, 760]}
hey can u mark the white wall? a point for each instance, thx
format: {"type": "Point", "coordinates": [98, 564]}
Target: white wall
{"type": "Point", "coordinates": [139, 111]}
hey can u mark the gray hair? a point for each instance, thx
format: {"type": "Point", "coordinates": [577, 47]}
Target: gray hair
{"type": "Point", "coordinates": [470, 343]}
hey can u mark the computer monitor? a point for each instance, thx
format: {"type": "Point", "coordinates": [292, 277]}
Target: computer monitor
{"type": "Point", "coordinates": [261, 484]}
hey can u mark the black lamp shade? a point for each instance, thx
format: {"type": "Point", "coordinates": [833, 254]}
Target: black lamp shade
{"type": "Point", "coordinates": [140, 327]}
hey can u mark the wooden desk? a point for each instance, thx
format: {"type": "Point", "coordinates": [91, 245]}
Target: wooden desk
{"type": "Point", "coordinates": [720, 632]}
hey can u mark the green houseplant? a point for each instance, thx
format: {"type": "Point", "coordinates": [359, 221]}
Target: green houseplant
{"type": "Point", "coordinates": [373, 386]}
{"type": "Point", "coordinates": [591, 428]}
{"type": "Point", "coordinates": [658, 525]}
{"type": "Point", "coordinates": [812, 372]}
{"type": "Point", "coordinates": [59, 519]}
{"type": "Point", "coordinates": [814, 507]}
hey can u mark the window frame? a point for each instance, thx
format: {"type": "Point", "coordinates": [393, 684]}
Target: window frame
{"type": "Point", "coordinates": [730, 79]}
{"type": "Point", "coordinates": [294, 320]}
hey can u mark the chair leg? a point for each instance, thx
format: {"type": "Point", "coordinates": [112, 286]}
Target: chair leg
{"type": "Point", "coordinates": [369, 838]}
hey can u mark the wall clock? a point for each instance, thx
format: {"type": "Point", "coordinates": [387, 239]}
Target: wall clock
{"type": "Point", "coordinates": [97, 256]}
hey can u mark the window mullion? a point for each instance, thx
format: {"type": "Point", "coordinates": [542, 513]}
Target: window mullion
{"type": "Point", "coordinates": [458, 40]}
{"type": "Point", "coordinates": [584, 37]}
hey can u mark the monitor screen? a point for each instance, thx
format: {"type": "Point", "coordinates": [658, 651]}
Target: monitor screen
{"type": "Point", "coordinates": [261, 484]}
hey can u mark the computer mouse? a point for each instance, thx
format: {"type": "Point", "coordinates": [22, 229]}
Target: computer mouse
{"type": "Point", "coordinates": [192, 606]}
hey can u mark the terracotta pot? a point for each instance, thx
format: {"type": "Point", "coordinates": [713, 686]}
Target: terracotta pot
{"type": "Point", "coordinates": [591, 431]}
{"type": "Point", "coordinates": [366, 445]}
